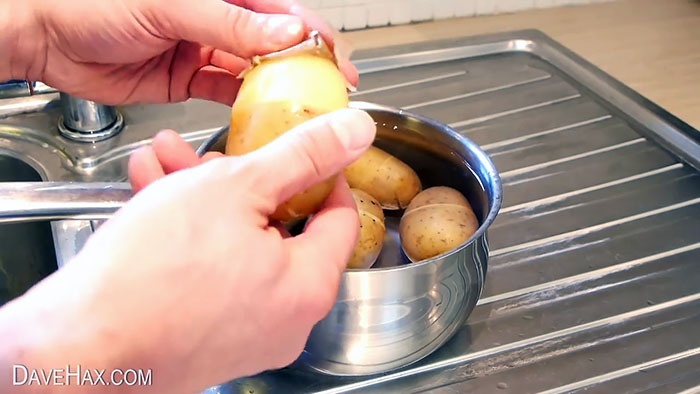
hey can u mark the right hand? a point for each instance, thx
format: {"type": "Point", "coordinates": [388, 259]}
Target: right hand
{"type": "Point", "coordinates": [190, 278]}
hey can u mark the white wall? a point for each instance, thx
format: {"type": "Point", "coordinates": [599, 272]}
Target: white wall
{"type": "Point", "coordinates": [360, 14]}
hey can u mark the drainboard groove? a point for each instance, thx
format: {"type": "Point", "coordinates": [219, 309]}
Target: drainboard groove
{"type": "Point", "coordinates": [539, 166]}
{"type": "Point", "coordinates": [408, 83]}
{"type": "Point", "coordinates": [477, 92]}
{"type": "Point", "coordinates": [623, 372]}
{"type": "Point", "coordinates": [512, 141]}
{"type": "Point", "coordinates": [588, 230]}
{"type": "Point", "coordinates": [514, 346]}
{"type": "Point", "coordinates": [560, 197]}
{"type": "Point", "coordinates": [587, 276]}
{"type": "Point", "coordinates": [497, 115]}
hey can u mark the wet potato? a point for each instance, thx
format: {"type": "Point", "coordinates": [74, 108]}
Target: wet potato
{"type": "Point", "coordinates": [391, 181]}
{"type": "Point", "coordinates": [436, 221]}
{"type": "Point", "coordinates": [371, 232]}
{"type": "Point", "coordinates": [276, 96]}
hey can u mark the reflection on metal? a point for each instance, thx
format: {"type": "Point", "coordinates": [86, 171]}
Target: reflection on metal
{"type": "Point", "coordinates": [33, 138]}
{"type": "Point", "coordinates": [87, 121]}
{"type": "Point", "coordinates": [41, 201]}
{"type": "Point", "coordinates": [591, 257]}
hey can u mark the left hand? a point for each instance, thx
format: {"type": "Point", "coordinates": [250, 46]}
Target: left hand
{"type": "Point", "coordinates": [156, 51]}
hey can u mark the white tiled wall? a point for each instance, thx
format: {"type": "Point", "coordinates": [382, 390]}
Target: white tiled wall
{"type": "Point", "coordinates": [359, 14]}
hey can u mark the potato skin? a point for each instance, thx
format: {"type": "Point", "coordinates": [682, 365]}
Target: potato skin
{"type": "Point", "coordinates": [436, 221]}
{"type": "Point", "coordinates": [371, 239]}
{"type": "Point", "coordinates": [391, 181]}
{"type": "Point", "coordinates": [276, 96]}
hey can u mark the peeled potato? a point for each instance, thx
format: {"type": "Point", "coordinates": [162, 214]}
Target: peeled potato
{"type": "Point", "coordinates": [277, 95]}
{"type": "Point", "coordinates": [370, 241]}
{"type": "Point", "coordinates": [436, 221]}
{"type": "Point", "coordinates": [391, 181]}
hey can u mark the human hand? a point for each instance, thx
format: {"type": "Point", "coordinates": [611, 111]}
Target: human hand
{"type": "Point", "coordinates": [121, 52]}
{"type": "Point", "coordinates": [189, 278]}
{"type": "Point", "coordinates": [167, 154]}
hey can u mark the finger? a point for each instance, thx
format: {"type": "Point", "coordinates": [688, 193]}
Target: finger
{"type": "Point", "coordinates": [312, 21]}
{"type": "Point", "coordinates": [311, 153]}
{"type": "Point", "coordinates": [173, 152]}
{"type": "Point", "coordinates": [349, 70]}
{"type": "Point", "coordinates": [187, 59]}
{"type": "Point", "coordinates": [203, 72]}
{"type": "Point", "coordinates": [227, 27]}
{"type": "Point", "coordinates": [321, 252]}
{"type": "Point", "coordinates": [144, 168]}
{"type": "Point", "coordinates": [340, 47]}
{"type": "Point", "coordinates": [232, 63]}
{"type": "Point", "coordinates": [333, 230]}
{"type": "Point", "coordinates": [211, 156]}
{"type": "Point", "coordinates": [284, 233]}
{"type": "Point", "coordinates": [215, 84]}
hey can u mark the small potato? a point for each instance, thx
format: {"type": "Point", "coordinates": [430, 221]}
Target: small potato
{"type": "Point", "coordinates": [392, 182]}
{"type": "Point", "coordinates": [371, 238]}
{"type": "Point", "coordinates": [436, 221]}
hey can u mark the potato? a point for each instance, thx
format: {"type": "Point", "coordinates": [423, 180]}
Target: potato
{"type": "Point", "coordinates": [391, 181]}
{"type": "Point", "coordinates": [277, 95]}
{"type": "Point", "coordinates": [371, 239]}
{"type": "Point", "coordinates": [436, 221]}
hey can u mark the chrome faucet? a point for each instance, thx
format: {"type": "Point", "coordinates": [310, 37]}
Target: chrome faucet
{"type": "Point", "coordinates": [81, 120]}
{"type": "Point", "coordinates": [88, 121]}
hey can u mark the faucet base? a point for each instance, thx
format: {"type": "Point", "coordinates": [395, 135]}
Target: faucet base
{"type": "Point", "coordinates": [91, 136]}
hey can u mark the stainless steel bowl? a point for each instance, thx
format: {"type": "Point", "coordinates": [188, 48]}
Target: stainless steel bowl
{"type": "Point", "coordinates": [398, 312]}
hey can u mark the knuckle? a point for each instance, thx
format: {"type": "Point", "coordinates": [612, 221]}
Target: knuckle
{"type": "Point", "coordinates": [317, 299]}
{"type": "Point", "coordinates": [313, 151]}
{"type": "Point", "coordinates": [242, 23]}
{"type": "Point", "coordinates": [308, 157]}
{"type": "Point", "coordinates": [321, 301]}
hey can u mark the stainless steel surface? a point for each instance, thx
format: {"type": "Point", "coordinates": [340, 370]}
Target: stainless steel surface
{"type": "Point", "coordinates": [594, 279]}
{"type": "Point", "coordinates": [27, 252]}
{"type": "Point", "coordinates": [41, 201]}
{"type": "Point", "coordinates": [32, 137]}
{"type": "Point", "coordinates": [397, 313]}
{"type": "Point", "coordinates": [15, 88]}
{"type": "Point", "coordinates": [19, 88]}
{"type": "Point", "coordinates": [88, 121]}
{"type": "Point", "coordinates": [25, 105]}
{"type": "Point", "coordinates": [82, 120]}
{"type": "Point", "coordinates": [19, 97]}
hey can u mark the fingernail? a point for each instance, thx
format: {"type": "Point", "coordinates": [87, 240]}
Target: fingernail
{"type": "Point", "coordinates": [354, 128]}
{"type": "Point", "coordinates": [282, 28]}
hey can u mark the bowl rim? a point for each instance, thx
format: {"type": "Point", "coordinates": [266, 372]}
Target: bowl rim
{"type": "Point", "coordinates": [494, 203]}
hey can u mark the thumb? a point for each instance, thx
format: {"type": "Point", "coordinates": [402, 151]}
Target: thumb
{"type": "Point", "coordinates": [310, 153]}
{"type": "Point", "coordinates": [230, 28]}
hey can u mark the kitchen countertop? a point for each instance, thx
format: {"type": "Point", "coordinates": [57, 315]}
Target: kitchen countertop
{"type": "Point", "coordinates": [591, 282]}
{"type": "Point", "coordinates": [650, 45]}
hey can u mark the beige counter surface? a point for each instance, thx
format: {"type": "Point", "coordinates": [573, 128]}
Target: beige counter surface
{"type": "Point", "coordinates": [653, 46]}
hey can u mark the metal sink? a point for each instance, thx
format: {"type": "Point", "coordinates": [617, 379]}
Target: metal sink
{"type": "Point", "coordinates": [35, 150]}
{"type": "Point", "coordinates": [27, 252]}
